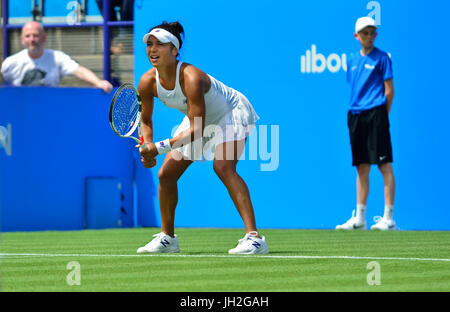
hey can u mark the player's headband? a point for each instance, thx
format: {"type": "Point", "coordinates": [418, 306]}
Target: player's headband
{"type": "Point", "coordinates": [163, 36]}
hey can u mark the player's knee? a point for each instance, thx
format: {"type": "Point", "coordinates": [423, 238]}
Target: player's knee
{"type": "Point", "coordinates": [223, 169]}
{"type": "Point", "coordinates": [165, 176]}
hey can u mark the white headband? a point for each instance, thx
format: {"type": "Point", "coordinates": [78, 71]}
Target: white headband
{"type": "Point", "coordinates": [163, 36]}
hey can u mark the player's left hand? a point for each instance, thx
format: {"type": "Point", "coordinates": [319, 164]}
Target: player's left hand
{"type": "Point", "coordinates": [150, 152]}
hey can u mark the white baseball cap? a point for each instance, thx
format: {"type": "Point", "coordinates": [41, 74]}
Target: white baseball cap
{"type": "Point", "coordinates": [364, 22]}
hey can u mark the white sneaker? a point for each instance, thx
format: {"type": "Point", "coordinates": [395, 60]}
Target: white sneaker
{"type": "Point", "coordinates": [250, 245]}
{"type": "Point", "coordinates": [352, 224]}
{"type": "Point", "coordinates": [383, 224]}
{"type": "Point", "coordinates": [161, 243]}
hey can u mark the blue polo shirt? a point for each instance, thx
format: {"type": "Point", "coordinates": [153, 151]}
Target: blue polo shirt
{"type": "Point", "coordinates": [366, 76]}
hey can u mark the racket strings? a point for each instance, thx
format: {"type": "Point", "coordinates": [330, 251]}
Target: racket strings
{"type": "Point", "coordinates": [125, 111]}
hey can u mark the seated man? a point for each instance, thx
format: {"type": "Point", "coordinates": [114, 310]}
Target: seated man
{"type": "Point", "coordinates": [43, 67]}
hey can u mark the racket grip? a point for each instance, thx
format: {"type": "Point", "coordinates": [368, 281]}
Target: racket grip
{"type": "Point", "coordinates": [142, 142]}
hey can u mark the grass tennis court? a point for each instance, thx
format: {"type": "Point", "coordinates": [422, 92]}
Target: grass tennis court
{"type": "Point", "coordinates": [299, 260]}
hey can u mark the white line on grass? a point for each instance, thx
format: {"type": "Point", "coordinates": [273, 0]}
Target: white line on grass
{"type": "Point", "coordinates": [223, 256]}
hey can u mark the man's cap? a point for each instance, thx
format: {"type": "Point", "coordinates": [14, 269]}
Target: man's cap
{"type": "Point", "coordinates": [364, 22]}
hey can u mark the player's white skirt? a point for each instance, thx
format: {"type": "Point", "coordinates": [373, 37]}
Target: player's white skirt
{"type": "Point", "coordinates": [235, 125]}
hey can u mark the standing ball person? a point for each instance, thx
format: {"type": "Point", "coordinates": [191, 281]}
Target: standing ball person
{"type": "Point", "coordinates": [207, 104]}
{"type": "Point", "coordinates": [369, 74]}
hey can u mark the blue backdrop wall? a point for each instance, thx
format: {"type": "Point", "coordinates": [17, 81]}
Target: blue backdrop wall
{"type": "Point", "coordinates": [288, 58]}
{"type": "Point", "coordinates": [52, 140]}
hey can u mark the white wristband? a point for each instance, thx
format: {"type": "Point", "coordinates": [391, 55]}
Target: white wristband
{"type": "Point", "coordinates": [163, 146]}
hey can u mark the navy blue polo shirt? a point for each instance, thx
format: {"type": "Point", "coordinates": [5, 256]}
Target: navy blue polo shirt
{"type": "Point", "coordinates": [366, 76]}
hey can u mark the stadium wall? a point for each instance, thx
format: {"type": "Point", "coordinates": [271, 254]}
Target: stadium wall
{"type": "Point", "coordinates": [288, 58]}
{"type": "Point", "coordinates": [52, 141]}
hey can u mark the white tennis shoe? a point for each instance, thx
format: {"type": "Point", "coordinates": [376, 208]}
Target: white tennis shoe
{"type": "Point", "coordinates": [352, 224]}
{"type": "Point", "coordinates": [250, 245]}
{"type": "Point", "coordinates": [161, 243]}
{"type": "Point", "coordinates": [383, 224]}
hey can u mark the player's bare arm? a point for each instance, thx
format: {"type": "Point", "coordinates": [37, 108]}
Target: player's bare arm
{"type": "Point", "coordinates": [195, 84]}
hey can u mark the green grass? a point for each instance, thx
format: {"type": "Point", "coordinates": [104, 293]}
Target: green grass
{"type": "Point", "coordinates": [204, 265]}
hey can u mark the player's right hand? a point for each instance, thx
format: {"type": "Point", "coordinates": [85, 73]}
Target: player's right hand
{"type": "Point", "coordinates": [148, 163]}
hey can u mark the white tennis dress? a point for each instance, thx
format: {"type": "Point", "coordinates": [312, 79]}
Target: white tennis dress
{"type": "Point", "coordinates": [229, 116]}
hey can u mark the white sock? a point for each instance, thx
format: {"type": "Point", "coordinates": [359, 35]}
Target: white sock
{"type": "Point", "coordinates": [360, 213]}
{"type": "Point", "coordinates": [253, 233]}
{"type": "Point", "coordinates": [388, 212]}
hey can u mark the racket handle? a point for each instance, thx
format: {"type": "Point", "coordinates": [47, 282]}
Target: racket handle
{"type": "Point", "coordinates": [142, 143]}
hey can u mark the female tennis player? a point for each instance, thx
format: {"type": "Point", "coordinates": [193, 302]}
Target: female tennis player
{"type": "Point", "coordinates": [217, 123]}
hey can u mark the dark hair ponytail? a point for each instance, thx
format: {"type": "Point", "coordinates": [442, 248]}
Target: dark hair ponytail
{"type": "Point", "coordinates": [174, 28]}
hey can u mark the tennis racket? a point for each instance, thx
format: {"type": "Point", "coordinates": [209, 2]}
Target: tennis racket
{"type": "Point", "coordinates": [125, 114]}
